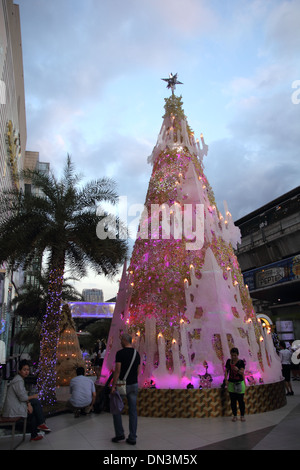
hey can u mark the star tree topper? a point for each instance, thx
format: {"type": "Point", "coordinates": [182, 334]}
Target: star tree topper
{"type": "Point", "coordinates": [172, 81]}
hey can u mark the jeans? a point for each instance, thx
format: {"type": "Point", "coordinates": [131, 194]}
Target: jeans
{"type": "Point", "coordinates": [36, 417]}
{"type": "Point", "coordinates": [131, 394]}
{"type": "Point", "coordinates": [237, 397]}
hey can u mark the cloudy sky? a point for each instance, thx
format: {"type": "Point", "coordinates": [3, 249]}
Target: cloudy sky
{"type": "Point", "coordinates": [93, 89]}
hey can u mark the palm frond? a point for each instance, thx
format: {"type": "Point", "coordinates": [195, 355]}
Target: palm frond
{"type": "Point", "coordinates": [62, 223]}
{"type": "Point", "coordinates": [103, 189]}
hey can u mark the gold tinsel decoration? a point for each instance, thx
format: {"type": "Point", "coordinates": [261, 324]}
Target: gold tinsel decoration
{"type": "Point", "coordinates": [69, 355]}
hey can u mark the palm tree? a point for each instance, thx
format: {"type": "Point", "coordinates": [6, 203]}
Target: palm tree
{"type": "Point", "coordinates": [31, 299]}
{"type": "Point", "coordinates": [61, 225]}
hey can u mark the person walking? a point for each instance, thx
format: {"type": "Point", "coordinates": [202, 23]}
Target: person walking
{"type": "Point", "coordinates": [19, 403]}
{"type": "Point", "coordinates": [123, 360]}
{"type": "Point", "coordinates": [235, 382]}
{"type": "Point", "coordinates": [285, 357]}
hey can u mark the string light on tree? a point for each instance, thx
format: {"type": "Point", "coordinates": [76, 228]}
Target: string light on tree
{"type": "Point", "coordinates": [50, 334]}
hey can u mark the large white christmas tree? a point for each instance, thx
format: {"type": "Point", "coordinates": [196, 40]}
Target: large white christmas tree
{"type": "Point", "coordinates": [183, 297]}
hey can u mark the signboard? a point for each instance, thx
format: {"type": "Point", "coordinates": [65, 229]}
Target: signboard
{"type": "Point", "coordinates": [92, 309]}
{"type": "Point", "coordinates": [267, 277]}
{"type": "Point", "coordinates": [284, 325]}
{"type": "Point", "coordinates": [272, 274]}
{"type": "Point", "coordinates": [285, 330]}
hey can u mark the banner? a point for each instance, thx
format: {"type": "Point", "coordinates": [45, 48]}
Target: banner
{"type": "Point", "coordinates": [92, 309]}
{"type": "Point", "coordinates": [272, 274]}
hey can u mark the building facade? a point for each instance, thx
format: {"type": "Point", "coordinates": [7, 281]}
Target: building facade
{"type": "Point", "coordinates": [32, 162]}
{"type": "Point", "coordinates": [13, 132]}
{"type": "Point", "coordinates": [92, 295]}
{"type": "Point", "coordinates": [13, 159]}
{"type": "Point", "coordinates": [269, 257]}
{"type": "Point", "coordinates": [12, 138]}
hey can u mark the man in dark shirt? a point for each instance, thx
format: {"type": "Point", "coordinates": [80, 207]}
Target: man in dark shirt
{"type": "Point", "coordinates": [123, 360]}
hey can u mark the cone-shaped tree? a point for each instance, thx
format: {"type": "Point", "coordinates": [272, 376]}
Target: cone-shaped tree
{"type": "Point", "coordinates": [61, 222]}
{"type": "Point", "coordinates": [69, 355]}
{"type": "Point", "coordinates": [183, 298]}
{"type": "Point", "coordinates": [31, 303]}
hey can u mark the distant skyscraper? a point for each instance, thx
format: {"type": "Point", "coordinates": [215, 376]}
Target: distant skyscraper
{"type": "Point", "coordinates": [92, 295]}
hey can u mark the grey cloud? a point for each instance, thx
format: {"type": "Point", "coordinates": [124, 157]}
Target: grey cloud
{"type": "Point", "coordinates": [123, 159]}
{"type": "Point", "coordinates": [282, 29]}
{"type": "Point", "coordinates": [70, 64]}
{"type": "Point", "coordinates": [246, 183]}
{"type": "Point", "coordinates": [71, 57]}
{"type": "Point", "coordinates": [260, 160]}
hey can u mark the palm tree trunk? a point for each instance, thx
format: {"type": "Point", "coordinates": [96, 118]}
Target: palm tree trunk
{"type": "Point", "coordinates": [49, 336]}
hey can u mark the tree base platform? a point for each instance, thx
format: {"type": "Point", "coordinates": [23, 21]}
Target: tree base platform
{"type": "Point", "coordinates": [205, 403]}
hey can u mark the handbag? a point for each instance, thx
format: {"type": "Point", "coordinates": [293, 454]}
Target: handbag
{"type": "Point", "coordinates": [121, 384]}
{"type": "Point", "coordinates": [102, 400]}
{"type": "Point", "coordinates": [116, 404]}
{"type": "Point", "coordinates": [237, 386]}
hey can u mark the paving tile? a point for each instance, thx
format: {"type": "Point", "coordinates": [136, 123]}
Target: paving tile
{"type": "Point", "coordinates": [278, 429]}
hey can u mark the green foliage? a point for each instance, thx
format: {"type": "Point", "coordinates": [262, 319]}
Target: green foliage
{"type": "Point", "coordinates": [30, 304]}
{"type": "Point", "coordinates": [59, 219]}
{"type": "Point", "coordinates": [31, 300]}
{"type": "Point", "coordinates": [96, 330]}
{"type": "Point", "coordinates": [29, 339]}
{"type": "Point", "coordinates": [173, 105]}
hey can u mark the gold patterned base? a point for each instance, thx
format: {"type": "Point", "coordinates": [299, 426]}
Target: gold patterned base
{"type": "Point", "coordinates": [214, 402]}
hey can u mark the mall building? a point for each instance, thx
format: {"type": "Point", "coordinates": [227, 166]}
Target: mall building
{"type": "Point", "coordinates": [269, 257]}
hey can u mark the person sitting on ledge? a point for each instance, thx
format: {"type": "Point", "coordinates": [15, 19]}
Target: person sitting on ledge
{"type": "Point", "coordinates": [19, 404]}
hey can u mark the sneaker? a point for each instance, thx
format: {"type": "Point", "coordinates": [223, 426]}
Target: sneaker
{"type": "Point", "coordinates": [234, 418]}
{"type": "Point", "coordinates": [37, 438]}
{"type": "Point", "coordinates": [44, 427]}
{"type": "Point", "coordinates": [89, 409]}
{"type": "Point", "coordinates": [129, 441]}
{"type": "Point", "coordinates": [118, 438]}
{"type": "Point", "coordinates": [243, 418]}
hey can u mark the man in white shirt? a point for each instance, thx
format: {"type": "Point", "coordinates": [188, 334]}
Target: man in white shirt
{"type": "Point", "coordinates": [285, 357]}
{"type": "Point", "coordinates": [83, 393]}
